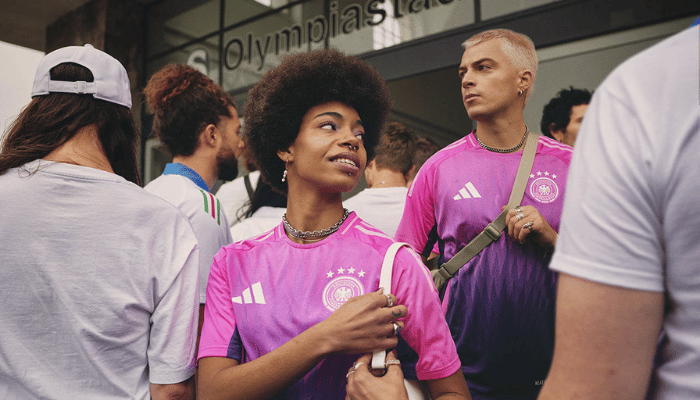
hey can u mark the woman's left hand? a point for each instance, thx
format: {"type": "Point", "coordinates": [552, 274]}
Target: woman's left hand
{"type": "Point", "coordinates": [526, 223]}
{"type": "Point", "coordinates": [363, 385]}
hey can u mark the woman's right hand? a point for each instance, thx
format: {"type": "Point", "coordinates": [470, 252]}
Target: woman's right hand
{"type": "Point", "coordinates": [363, 324]}
{"type": "Point", "coordinates": [363, 385]}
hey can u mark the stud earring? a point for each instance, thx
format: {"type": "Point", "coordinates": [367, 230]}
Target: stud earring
{"type": "Point", "coordinates": [520, 93]}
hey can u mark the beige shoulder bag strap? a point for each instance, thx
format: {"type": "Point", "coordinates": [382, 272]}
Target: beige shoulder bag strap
{"type": "Point", "coordinates": [493, 230]}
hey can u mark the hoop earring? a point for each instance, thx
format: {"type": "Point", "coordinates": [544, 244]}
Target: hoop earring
{"type": "Point", "coordinates": [284, 174]}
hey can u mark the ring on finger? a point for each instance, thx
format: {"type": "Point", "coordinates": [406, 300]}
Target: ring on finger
{"type": "Point", "coordinates": [356, 365]}
{"type": "Point", "coordinates": [391, 362]}
{"type": "Point", "coordinates": [518, 209]}
{"type": "Point", "coordinates": [519, 216]}
{"type": "Point", "coordinates": [397, 328]}
{"type": "Point", "coordinates": [528, 225]}
{"type": "Point", "coordinates": [389, 300]}
{"type": "Point", "coordinates": [349, 372]}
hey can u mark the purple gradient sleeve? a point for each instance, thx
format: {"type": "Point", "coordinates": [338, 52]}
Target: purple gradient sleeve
{"type": "Point", "coordinates": [219, 320]}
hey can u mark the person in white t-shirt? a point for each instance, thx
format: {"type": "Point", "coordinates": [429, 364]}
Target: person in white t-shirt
{"type": "Point", "coordinates": [198, 124]}
{"type": "Point", "coordinates": [236, 195]}
{"type": "Point", "coordinates": [263, 212]}
{"type": "Point", "coordinates": [98, 278]}
{"type": "Point", "coordinates": [387, 175]}
{"type": "Point", "coordinates": [629, 251]}
{"type": "Point", "coordinates": [289, 311]}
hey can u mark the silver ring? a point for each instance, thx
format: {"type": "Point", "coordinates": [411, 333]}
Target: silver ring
{"type": "Point", "coordinates": [355, 365]}
{"type": "Point", "coordinates": [349, 372]}
{"type": "Point", "coordinates": [389, 300]}
{"type": "Point", "coordinates": [518, 209]}
{"type": "Point", "coordinates": [528, 225]}
{"type": "Point", "coordinates": [519, 216]}
{"type": "Point", "coordinates": [397, 328]}
{"type": "Point", "coordinates": [391, 362]}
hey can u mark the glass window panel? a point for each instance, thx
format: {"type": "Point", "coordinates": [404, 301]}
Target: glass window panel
{"type": "Point", "coordinates": [174, 23]}
{"type": "Point", "coordinates": [496, 8]}
{"type": "Point", "coordinates": [252, 49]}
{"type": "Point", "coordinates": [368, 25]}
{"type": "Point", "coordinates": [236, 11]}
{"type": "Point", "coordinates": [203, 56]}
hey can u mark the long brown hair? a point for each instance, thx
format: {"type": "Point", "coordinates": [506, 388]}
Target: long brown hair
{"type": "Point", "coordinates": [49, 121]}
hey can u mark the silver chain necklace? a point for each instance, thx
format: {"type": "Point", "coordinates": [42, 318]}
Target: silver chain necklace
{"type": "Point", "coordinates": [313, 234]}
{"type": "Point", "coordinates": [512, 149]}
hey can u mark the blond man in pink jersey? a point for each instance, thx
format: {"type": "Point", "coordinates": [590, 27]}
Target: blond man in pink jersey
{"type": "Point", "coordinates": [500, 305]}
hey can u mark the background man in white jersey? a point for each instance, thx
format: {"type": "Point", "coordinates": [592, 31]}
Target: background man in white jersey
{"type": "Point", "coordinates": [98, 278]}
{"type": "Point", "coordinates": [387, 175]}
{"type": "Point", "coordinates": [198, 123]}
{"type": "Point", "coordinates": [629, 251]}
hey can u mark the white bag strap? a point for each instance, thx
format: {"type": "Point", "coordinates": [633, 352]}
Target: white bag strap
{"type": "Point", "coordinates": [379, 356]}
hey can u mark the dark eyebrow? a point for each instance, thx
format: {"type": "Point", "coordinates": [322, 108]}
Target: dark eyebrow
{"type": "Point", "coordinates": [339, 116]}
{"type": "Point", "coordinates": [331, 113]}
{"type": "Point", "coordinates": [483, 60]}
{"type": "Point", "coordinates": [477, 62]}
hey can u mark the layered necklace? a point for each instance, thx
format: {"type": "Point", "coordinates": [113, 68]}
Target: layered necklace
{"type": "Point", "coordinates": [304, 235]}
{"type": "Point", "coordinates": [512, 149]}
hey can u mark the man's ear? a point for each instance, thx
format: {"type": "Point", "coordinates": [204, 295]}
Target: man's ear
{"type": "Point", "coordinates": [210, 135]}
{"type": "Point", "coordinates": [526, 80]}
{"type": "Point", "coordinates": [369, 170]}
{"type": "Point", "coordinates": [556, 134]}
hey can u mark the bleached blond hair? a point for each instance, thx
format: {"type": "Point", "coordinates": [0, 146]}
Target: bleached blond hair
{"type": "Point", "coordinates": [517, 46]}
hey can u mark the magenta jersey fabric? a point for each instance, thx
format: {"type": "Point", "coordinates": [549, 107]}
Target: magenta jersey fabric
{"type": "Point", "coordinates": [266, 290]}
{"type": "Point", "coordinates": [500, 306]}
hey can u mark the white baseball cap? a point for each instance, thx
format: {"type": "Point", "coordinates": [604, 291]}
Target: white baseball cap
{"type": "Point", "coordinates": [111, 81]}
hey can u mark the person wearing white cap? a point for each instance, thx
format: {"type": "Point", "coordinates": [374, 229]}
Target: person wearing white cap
{"type": "Point", "coordinates": [98, 278]}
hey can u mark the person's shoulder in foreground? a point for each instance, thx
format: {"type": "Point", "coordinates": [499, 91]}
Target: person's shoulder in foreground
{"type": "Point", "coordinates": [627, 256]}
{"type": "Point", "coordinates": [93, 266]}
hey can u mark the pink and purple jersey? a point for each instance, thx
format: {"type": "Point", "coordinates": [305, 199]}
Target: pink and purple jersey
{"type": "Point", "coordinates": [266, 290]}
{"type": "Point", "coordinates": [500, 306]}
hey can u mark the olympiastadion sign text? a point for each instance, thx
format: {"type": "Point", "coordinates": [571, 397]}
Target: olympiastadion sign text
{"type": "Point", "coordinates": [350, 19]}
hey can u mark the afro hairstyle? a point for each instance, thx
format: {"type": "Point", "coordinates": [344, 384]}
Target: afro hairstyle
{"type": "Point", "coordinates": [278, 103]}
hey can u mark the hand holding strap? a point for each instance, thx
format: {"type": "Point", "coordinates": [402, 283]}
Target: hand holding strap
{"type": "Point", "coordinates": [493, 230]}
{"type": "Point", "coordinates": [379, 356]}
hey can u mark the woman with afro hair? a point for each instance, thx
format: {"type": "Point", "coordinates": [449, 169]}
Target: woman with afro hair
{"type": "Point", "coordinates": [289, 311]}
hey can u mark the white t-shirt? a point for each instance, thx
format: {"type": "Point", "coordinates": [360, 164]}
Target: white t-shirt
{"type": "Point", "coordinates": [381, 207]}
{"type": "Point", "coordinates": [234, 195]}
{"type": "Point", "coordinates": [631, 212]}
{"type": "Point", "coordinates": [264, 219]}
{"type": "Point", "coordinates": [97, 286]}
{"type": "Point", "coordinates": [203, 210]}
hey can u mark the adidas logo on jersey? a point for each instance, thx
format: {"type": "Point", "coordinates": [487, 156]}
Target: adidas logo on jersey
{"type": "Point", "coordinates": [467, 192]}
{"type": "Point", "coordinates": [248, 298]}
